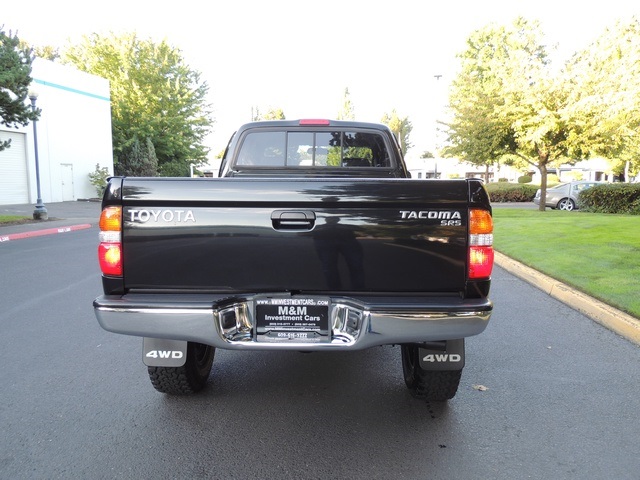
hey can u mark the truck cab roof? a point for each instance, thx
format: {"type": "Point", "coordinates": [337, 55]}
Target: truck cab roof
{"type": "Point", "coordinates": [313, 147]}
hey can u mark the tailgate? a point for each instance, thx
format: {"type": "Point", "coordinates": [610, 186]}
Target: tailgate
{"type": "Point", "coordinates": [301, 235]}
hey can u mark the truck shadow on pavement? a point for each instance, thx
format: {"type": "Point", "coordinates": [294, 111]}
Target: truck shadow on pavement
{"type": "Point", "coordinates": [291, 406]}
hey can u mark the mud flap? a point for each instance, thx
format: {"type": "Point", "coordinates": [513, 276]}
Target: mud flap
{"type": "Point", "coordinates": [160, 352]}
{"type": "Point", "coordinates": [439, 356]}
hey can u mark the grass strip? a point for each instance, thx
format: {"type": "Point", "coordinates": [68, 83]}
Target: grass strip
{"type": "Point", "coordinates": [594, 253]}
{"type": "Point", "coordinates": [8, 219]}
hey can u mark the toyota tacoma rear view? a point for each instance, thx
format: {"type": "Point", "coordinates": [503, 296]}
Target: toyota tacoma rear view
{"type": "Point", "coordinates": [312, 238]}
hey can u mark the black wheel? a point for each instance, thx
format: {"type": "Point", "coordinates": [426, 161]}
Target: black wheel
{"type": "Point", "coordinates": [566, 204]}
{"type": "Point", "coordinates": [189, 378]}
{"type": "Point", "coordinates": [437, 386]}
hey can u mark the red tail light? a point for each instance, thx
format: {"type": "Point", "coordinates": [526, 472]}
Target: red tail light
{"type": "Point", "coordinates": [480, 244]}
{"type": "Point", "coordinates": [110, 255]}
{"type": "Point", "coordinates": [110, 248]}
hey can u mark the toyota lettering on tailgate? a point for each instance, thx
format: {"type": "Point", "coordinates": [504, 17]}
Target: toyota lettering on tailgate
{"type": "Point", "coordinates": [143, 216]}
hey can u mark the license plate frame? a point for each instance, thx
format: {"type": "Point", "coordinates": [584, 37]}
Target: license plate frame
{"type": "Point", "coordinates": [292, 319]}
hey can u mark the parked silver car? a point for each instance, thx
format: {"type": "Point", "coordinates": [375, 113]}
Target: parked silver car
{"type": "Point", "coordinates": [565, 195]}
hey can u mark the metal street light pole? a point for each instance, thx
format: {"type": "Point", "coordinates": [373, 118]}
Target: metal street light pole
{"type": "Point", "coordinates": [40, 212]}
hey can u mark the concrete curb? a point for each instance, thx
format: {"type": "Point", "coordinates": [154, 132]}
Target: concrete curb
{"type": "Point", "coordinates": [618, 321]}
{"type": "Point", "coordinates": [39, 233]}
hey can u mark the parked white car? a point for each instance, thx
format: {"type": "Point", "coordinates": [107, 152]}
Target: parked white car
{"type": "Point", "coordinates": [565, 195]}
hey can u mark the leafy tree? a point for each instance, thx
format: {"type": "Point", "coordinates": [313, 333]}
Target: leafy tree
{"type": "Point", "coordinates": [401, 128]}
{"type": "Point", "coordinates": [15, 79]}
{"type": "Point", "coordinates": [476, 134]}
{"type": "Point", "coordinates": [347, 112]}
{"type": "Point", "coordinates": [98, 178]}
{"type": "Point", "coordinates": [507, 103]}
{"type": "Point", "coordinates": [47, 52]}
{"type": "Point", "coordinates": [273, 114]}
{"type": "Point", "coordinates": [154, 95]}
{"type": "Point", "coordinates": [604, 98]}
{"type": "Point", "coordinates": [427, 154]}
{"type": "Point", "coordinates": [138, 160]}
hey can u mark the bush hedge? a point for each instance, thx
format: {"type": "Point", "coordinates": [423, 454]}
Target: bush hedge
{"type": "Point", "coordinates": [552, 179]}
{"type": "Point", "coordinates": [612, 198]}
{"type": "Point", "coordinates": [511, 192]}
{"type": "Point", "coordinates": [525, 179]}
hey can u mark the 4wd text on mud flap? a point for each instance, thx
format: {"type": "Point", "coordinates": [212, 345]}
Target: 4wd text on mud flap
{"type": "Point", "coordinates": [442, 357]}
{"type": "Point", "coordinates": [165, 354]}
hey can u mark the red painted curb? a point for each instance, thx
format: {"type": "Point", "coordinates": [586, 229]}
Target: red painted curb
{"type": "Point", "coordinates": [40, 233]}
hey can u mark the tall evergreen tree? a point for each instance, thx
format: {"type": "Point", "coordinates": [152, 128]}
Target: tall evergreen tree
{"type": "Point", "coordinates": [138, 160]}
{"type": "Point", "coordinates": [15, 79]}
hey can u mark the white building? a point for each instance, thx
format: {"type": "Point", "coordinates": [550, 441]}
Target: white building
{"type": "Point", "coordinates": [73, 135]}
{"type": "Point", "coordinates": [596, 169]}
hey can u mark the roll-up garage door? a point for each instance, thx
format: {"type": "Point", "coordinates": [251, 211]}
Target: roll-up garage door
{"type": "Point", "coordinates": [14, 186]}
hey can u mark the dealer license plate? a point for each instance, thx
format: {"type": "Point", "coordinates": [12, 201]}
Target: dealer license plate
{"type": "Point", "coordinates": [292, 319]}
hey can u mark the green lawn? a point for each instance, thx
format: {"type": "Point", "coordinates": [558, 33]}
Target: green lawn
{"type": "Point", "coordinates": [597, 254]}
{"type": "Point", "coordinates": [6, 219]}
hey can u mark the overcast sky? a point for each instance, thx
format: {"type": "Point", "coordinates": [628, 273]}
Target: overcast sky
{"type": "Point", "coordinates": [300, 55]}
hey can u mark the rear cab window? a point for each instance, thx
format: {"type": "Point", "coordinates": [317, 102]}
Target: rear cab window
{"type": "Point", "coordinates": [313, 149]}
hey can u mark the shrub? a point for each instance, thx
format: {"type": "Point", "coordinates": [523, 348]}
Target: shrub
{"type": "Point", "coordinates": [511, 192]}
{"type": "Point", "coordinates": [138, 160]}
{"type": "Point", "coordinates": [503, 180]}
{"type": "Point", "coordinates": [174, 169]}
{"type": "Point", "coordinates": [612, 198]}
{"type": "Point", "coordinates": [98, 179]}
{"type": "Point", "coordinates": [525, 179]}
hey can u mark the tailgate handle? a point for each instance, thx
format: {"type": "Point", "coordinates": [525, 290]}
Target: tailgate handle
{"type": "Point", "coordinates": [293, 219]}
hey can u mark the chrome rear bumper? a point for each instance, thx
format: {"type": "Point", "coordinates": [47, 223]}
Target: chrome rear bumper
{"type": "Point", "coordinates": [354, 323]}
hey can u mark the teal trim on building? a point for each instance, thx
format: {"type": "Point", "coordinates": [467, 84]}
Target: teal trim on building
{"type": "Point", "coordinates": [72, 90]}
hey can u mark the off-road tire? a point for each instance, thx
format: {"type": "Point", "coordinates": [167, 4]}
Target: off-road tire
{"type": "Point", "coordinates": [189, 378]}
{"type": "Point", "coordinates": [436, 386]}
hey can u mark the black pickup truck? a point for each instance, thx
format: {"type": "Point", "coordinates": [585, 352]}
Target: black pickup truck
{"type": "Point", "coordinates": [313, 238]}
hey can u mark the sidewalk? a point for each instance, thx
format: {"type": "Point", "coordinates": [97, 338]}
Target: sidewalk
{"type": "Point", "coordinates": [69, 216]}
{"type": "Point", "coordinates": [64, 216]}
